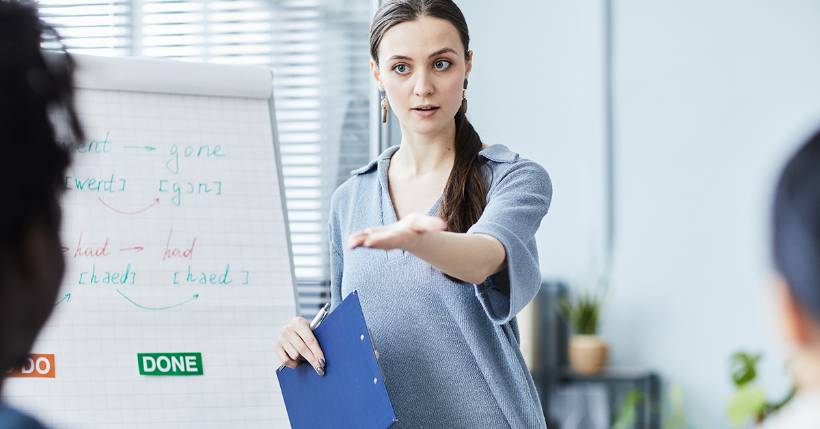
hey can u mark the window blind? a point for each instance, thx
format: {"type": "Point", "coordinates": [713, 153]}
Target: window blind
{"type": "Point", "coordinates": [319, 53]}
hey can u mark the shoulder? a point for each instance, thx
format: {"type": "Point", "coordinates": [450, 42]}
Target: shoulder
{"type": "Point", "coordinates": [507, 168]}
{"type": "Point", "coordinates": [371, 167]}
{"type": "Point", "coordinates": [346, 192]}
{"type": "Point", "coordinates": [801, 412]}
{"type": "Point", "coordinates": [11, 418]}
{"type": "Point", "coordinates": [362, 180]}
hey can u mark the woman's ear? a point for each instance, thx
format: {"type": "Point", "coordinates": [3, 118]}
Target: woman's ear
{"type": "Point", "coordinates": [374, 69]}
{"type": "Point", "coordinates": [469, 64]}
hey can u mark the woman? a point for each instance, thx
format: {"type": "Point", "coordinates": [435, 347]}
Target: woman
{"type": "Point", "coordinates": [437, 236]}
{"type": "Point", "coordinates": [796, 245]}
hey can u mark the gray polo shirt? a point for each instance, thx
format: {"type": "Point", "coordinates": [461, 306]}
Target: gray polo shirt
{"type": "Point", "coordinates": [449, 350]}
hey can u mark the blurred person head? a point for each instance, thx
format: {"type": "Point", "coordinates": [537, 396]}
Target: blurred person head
{"type": "Point", "coordinates": [796, 251]}
{"type": "Point", "coordinates": [33, 87]}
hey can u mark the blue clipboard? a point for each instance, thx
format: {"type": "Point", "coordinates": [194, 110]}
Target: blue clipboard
{"type": "Point", "coordinates": [352, 394]}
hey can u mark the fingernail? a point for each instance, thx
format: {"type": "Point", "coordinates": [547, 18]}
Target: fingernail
{"type": "Point", "coordinates": [320, 371]}
{"type": "Point", "coordinates": [322, 363]}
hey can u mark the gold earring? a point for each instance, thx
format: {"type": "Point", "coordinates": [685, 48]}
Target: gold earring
{"type": "Point", "coordinates": [384, 110]}
{"type": "Point", "coordinates": [464, 96]}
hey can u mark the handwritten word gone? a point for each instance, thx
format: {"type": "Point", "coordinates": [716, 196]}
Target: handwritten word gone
{"type": "Point", "coordinates": [190, 152]}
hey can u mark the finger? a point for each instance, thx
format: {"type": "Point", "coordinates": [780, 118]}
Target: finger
{"type": "Point", "coordinates": [355, 243]}
{"type": "Point", "coordinates": [286, 360]}
{"type": "Point", "coordinates": [290, 349]}
{"type": "Point", "coordinates": [359, 241]}
{"type": "Point", "coordinates": [383, 240]}
{"type": "Point", "coordinates": [305, 352]}
{"type": "Point", "coordinates": [356, 239]}
{"type": "Point", "coordinates": [368, 231]}
{"type": "Point", "coordinates": [306, 334]}
{"type": "Point", "coordinates": [364, 232]}
{"type": "Point", "coordinates": [375, 243]}
{"type": "Point", "coordinates": [300, 346]}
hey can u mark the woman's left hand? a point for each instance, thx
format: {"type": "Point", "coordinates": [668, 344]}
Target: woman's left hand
{"type": "Point", "coordinates": [403, 234]}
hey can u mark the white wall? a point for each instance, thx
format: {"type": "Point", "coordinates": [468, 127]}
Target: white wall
{"type": "Point", "coordinates": [710, 97]}
{"type": "Point", "coordinates": [536, 87]}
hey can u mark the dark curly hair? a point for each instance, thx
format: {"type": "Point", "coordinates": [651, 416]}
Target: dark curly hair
{"type": "Point", "coordinates": [796, 225]}
{"type": "Point", "coordinates": [34, 87]}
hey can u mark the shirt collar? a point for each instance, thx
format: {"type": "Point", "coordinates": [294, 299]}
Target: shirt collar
{"type": "Point", "coordinates": [496, 153]}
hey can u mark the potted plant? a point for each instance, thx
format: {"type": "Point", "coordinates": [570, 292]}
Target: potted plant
{"type": "Point", "coordinates": [588, 352]}
{"type": "Point", "coordinates": [749, 403]}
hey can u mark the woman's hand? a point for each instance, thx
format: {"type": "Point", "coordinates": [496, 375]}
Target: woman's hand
{"type": "Point", "coordinates": [403, 234]}
{"type": "Point", "coordinates": [296, 341]}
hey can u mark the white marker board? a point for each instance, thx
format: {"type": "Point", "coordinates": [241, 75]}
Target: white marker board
{"type": "Point", "coordinates": [179, 273]}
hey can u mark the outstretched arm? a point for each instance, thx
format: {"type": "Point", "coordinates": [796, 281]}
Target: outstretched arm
{"type": "Point", "coordinates": [468, 257]}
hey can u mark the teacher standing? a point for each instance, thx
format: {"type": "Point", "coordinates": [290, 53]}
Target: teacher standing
{"type": "Point", "coordinates": [437, 236]}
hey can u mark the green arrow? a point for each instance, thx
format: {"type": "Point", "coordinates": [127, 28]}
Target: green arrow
{"type": "Point", "coordinates": [66, 298]}
{"type": "Point", "coordinates": [194, 297]}
{"type": "Point", "coordinates": [145, 148]}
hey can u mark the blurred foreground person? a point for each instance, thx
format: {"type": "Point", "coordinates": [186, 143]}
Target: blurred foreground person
{"type": "Point", "coordinates": [32, 168]}
{"type": "Point", "coordinates": [796, 248]}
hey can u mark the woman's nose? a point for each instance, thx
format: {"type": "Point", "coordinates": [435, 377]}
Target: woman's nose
{"type": "Point", "coordinates": [424, 85]}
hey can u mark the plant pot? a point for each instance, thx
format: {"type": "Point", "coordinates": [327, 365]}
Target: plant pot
{"type": "Point", "coordinates": [587, 354]}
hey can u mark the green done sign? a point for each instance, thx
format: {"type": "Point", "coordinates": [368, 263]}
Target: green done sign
{"type": "Point", "coordinates": [170, 364]}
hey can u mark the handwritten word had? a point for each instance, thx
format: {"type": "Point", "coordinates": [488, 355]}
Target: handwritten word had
{"type": "Point", "coordinates": [90, 251]}
{"type": "Point", "coordinates": [174, 252]}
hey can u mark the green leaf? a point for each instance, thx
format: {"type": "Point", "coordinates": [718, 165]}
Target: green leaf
{"type": "Point", "coordinates": [744, 368]}
{"type": "Point", "coordinates": [747, 404]}
{"type": "Point", "coordinates": [626, 415]}
{"type": "Point", "coordinates": [676, 418]}
{"type": "Point", "coordinates": [583, 314]}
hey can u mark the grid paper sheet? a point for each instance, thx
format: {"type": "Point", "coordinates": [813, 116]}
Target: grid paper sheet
{"type": "Point", "coordinates": [175, 240]}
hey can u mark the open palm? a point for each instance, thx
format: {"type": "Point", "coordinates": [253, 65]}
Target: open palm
{"type": "Point", "coordinates": [403, 234]}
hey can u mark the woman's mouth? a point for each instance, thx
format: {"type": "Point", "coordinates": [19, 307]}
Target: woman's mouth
{"type": "Point", "coordinates": [426, 110]}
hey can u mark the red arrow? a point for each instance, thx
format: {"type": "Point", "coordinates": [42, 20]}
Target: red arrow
{"type": "Point", "coordinates": [155, 202]}
{"type": "Point", "coordinates": [135, 248]}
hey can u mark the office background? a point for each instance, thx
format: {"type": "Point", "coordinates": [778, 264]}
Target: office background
{"type": "Point", "coordinates": [707, 100]}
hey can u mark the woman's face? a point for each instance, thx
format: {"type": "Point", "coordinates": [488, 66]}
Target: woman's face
{"type": "Point", "coordinates": [422, 70]}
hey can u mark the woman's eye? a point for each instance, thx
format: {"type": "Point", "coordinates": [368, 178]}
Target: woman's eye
{"type": "Point", "coordinates": [442, 65]}
{"type": "Point", "coordinates": [400, 68]}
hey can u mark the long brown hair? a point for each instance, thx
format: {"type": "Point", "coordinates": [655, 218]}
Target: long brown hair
{"type": "Point", "coordinates": [463, 199]}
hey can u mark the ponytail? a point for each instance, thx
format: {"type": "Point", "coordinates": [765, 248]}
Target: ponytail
{"type": "Point", "coordinates": [464, 196]}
